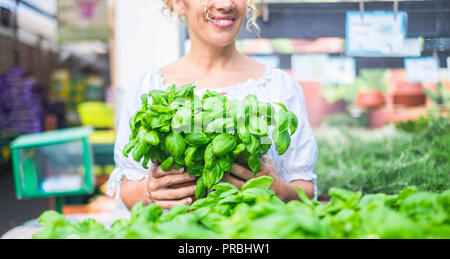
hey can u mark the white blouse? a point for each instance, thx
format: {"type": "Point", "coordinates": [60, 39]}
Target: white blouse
{"type": "Point", "coordinates": [275, 85]}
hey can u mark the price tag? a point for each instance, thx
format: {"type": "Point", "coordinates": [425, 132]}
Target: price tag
{"type": "Point", "coordinates": [268, 60]}
{"type": "Point", "coordinates": [375, 33]}
{"type": "Point", "coordinates": [448, 68]}
{"type": "Point", "coordinates": [422, 70]}
{"type": "Point", "coordinates": [309, 67]}
{"type": "Point", "coordinates": [340, 70]}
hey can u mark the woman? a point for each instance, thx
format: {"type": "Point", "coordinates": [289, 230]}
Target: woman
{"type": "Point", "coordinates": [214, 63]}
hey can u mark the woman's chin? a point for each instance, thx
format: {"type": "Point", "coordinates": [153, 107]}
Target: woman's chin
{"type": "Point", "coordinates": [222, 41]}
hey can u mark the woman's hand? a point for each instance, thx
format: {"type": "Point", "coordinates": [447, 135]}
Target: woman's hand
{"type": "Point", "coordinates": [169, 188]}
{"type": "Point", "coordinates": [239, 175]}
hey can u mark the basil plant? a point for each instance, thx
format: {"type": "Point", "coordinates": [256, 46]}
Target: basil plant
{"type": "Point", "coordinates": [206, 135]}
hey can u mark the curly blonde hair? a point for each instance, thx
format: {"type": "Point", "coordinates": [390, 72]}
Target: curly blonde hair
{"type": "Point", "coordinates": [252, 13]}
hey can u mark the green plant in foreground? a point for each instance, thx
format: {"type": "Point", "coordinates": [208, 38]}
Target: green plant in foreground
{"type": "Point", "coordinates": [255, 211]}
{"type": "Point", "coordinates": [206, 135]}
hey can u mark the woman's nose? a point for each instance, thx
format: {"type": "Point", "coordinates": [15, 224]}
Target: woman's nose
{"type": "Point", "coordinates": [225, 5]}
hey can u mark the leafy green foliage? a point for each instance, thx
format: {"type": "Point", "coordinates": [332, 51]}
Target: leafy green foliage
{"type": "Point", "coordinates": [205, 135]}
{"type": "Point", "coordinates": [256, 212]}
{"type": "Point", "coordinates": [385, 160]}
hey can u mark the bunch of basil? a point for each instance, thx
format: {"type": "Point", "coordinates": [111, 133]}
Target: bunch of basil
{"type": "Point", "coordinates": [206, 135]}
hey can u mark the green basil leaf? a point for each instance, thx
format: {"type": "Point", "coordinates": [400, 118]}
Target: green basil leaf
{"type": "Point", "coordinates": [139, 151]}
{"type": "Point", "coordinates": [282, 106]}
{"type": "Point", "coordinates": [131, 123]}
{"type": "Point", "coordinates": [223, 187]}
{"type": "Point", "coordinates": [159, 97]}
{"type": "Point", "coordinates": [253, 146]}
{"type": "Point", "coordinates": [147, 157]}
{"type": "Point", "coordinates": [282, 140]}
{"type": "Point", "coordinates": [165, 128]}
{"type": "Point", "coordinates": [200, 189]}
{"type": "Point", "coordinates": [144, 101]}
{"type": "Point", "coordinates": [196, 139]}
{"type": "Point", "coordinates": [152, 138]}
{"type": "Point", "coordinates": [265, 148]}
{"type": "Point", "coordinates": [188, 155]}
{"type": "Point", "coordinates": [160, 155]}
{"type": "Point", "coordinates": [175, 144]}
{"type": "Point", "coordinates": [213, 104]}
{"type": "Point", "coordinates": [179, 163]}
{"type": "Point", "coordinates": [178, 103]}
{"type": "Point", "coordinates": [128, 147]}
{"type": "Point", "coordinates": [160, 108]}
{"type": "Point", "coordinates": [293, 121]}
{"type": "Point", "coordinates": [220, 125]}
{"type": "Point", "coordinates": [195, 170]}
{"type": "Point", "coordinates": [217, 174]}
{"type": "Point", "coordinates": [258, 126]}
{"type": "Point", "coordinates": [223, 144]}
{"type": "Point", "coordinates": [182, 120]}
{"type": "Point", "coordinates": [266, 111]}
{"type": "Point", "coordinates": [254, 163]}
{"type": "Point", "coordinates": [282, 120]}
{"type": "Point", "coordinates": [209, 116]}
{"type": "Point", "coordinates": [208, 176]}
{"type": "Point", "coordinates": [244, 134]}
{"type": "Point", "coordinates": [185, 91]}
{"type": "Point", "coordinates": [168, 163]}
{"type": "Point", "coordinates": [158, 121]}
{"type": "Point", "coordinates": [239, 149]}
{"type": "Point", "coordinates": [225, 163]}
{"type": "Point", "coordinates": [263, 183]}
{"type": "Point", "coordinates": [209, 156]}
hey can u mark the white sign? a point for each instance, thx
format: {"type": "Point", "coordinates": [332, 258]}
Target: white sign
{"type": "Point", "coordinates": [340, 70]}
{"type": "Point", "coordinates": [422, 70]}
{"type": "Point", "coordinates": [411, 48]}
{"type": "Point", "coordinates": [309, 67]}
{"type": "Point", "coordinates": [375, 33]}
{"type": "Point", "coordinates": [323, 68]}
{"type": "Point", "coordinates": [448, 67]}
{"type": "Point", "coordinates": [268, 60]}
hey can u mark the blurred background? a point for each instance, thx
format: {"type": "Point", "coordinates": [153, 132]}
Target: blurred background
{"type": "Point", "coordinates": [374, 74]}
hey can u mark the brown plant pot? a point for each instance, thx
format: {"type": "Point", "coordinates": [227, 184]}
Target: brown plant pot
{"type": "Point", "coordinates": [409, 94]}
{"type": "Point", "coordinates": [370, 99]}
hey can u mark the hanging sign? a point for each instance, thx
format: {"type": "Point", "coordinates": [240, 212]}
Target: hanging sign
{"type": "Point", "coordinates": [422, 70]}
{"type": "Point", "coordinates": [323, 68]}
{"type": "Point", "coordinates": [448, 67]}
{"type": "Point", "coordinates": [268, 60]}
{"type": "Point", "coordinates": [309, 67]}
{"type": "Point", "coordinates": [340, 70]}
{"type": "Point", "coordinates": [376, 33]}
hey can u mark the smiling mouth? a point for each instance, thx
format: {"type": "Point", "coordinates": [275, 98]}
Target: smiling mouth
{"type": "Point", "coordinates": [224, 22]}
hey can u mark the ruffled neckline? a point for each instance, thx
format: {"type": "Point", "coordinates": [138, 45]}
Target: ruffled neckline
{"type": "Point", "coordinates": [261, 81]}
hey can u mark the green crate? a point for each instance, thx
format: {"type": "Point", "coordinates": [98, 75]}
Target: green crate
{"type": "Point", "coordinates": [53, 164]}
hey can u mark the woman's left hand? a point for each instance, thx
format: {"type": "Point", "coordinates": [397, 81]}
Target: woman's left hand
{"type": "Point", "coordinates": [239, 175]}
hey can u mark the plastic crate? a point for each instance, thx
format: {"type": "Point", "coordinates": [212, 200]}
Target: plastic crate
{"type": "Point", "coordinates": [54, 163]}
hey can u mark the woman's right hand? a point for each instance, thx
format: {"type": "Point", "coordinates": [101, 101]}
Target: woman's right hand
{"type": "Point", "coordinates": [169, 188]}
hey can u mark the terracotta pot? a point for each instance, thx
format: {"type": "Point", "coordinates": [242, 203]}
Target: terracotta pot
{"type": "Point", "coordinates": [370, 99]}
{"type": "Point", "coordinates": [409, 94]}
